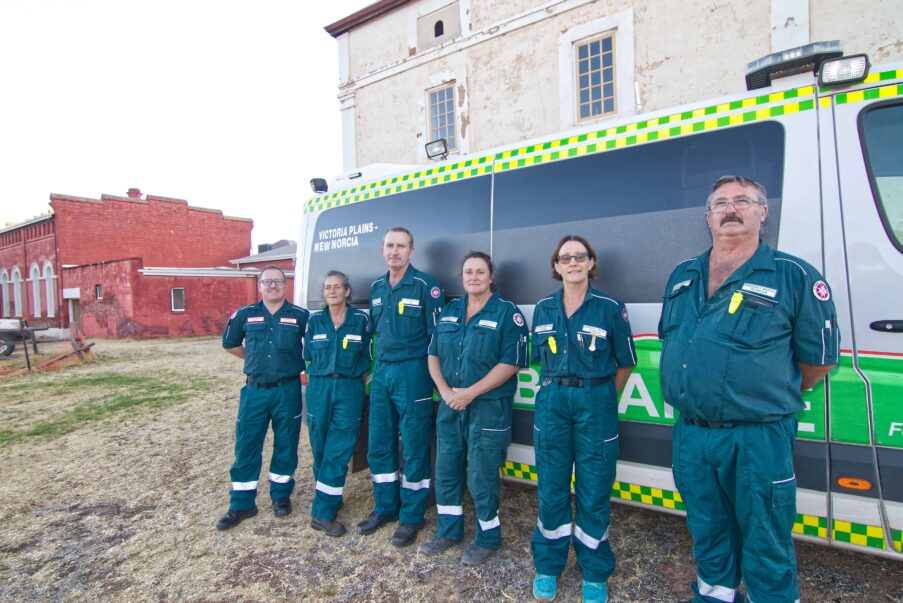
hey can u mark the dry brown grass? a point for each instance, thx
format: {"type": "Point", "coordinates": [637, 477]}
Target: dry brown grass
{"type": "Point", "coordinates": [121, 507]}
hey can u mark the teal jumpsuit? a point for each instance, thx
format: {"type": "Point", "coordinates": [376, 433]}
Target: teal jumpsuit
{"type": "Point", "coordinates": [729, 365]}
{"type": "Point", "coordinates": [477, 436]}
{"type": "Point", "coordinates": [337, 359]}
{"type": "Point", "coordinates": [401, 392]}
{"type": "Point", "coordinates": [576, 426]}
{"type": "Point", "coordinates": [273, 363]}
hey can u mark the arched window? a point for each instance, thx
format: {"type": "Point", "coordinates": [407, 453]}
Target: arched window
{"type": "Point", "coordinates": [17, 292]}
{"type": "Point", "coordinates": [4, 293]}
{"type": "Point", "coordinates": [36, 290]}
{"type": "Point", "coordinates": [50, 287]}
{"type": "Point", "coordinates": [438, 29]}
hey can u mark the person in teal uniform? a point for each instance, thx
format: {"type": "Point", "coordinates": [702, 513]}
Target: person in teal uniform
{"type": "Point", "coordinates": [479, 345]}
{"type": "Point", "coordinates": [404, 305]}
{"type": "Point", "coordinates": [337, 351]}
{"type": "Point", "coordinates": [583, 341]}
{"type": "Point", "coordinates": [268, 335]}
{"type": "Point", "coordinates": [744, 330]}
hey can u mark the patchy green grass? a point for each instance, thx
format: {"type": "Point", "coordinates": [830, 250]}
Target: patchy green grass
{"type": "Point", "coordinates": [99, 396]}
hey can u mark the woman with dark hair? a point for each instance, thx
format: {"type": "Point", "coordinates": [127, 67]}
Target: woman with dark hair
{"type": "Point", "coordinates": [479, 345]}
{"type": "Point", "coordinates": [582, 339]}
{"type": "Point", "coordinates": [337, 349]}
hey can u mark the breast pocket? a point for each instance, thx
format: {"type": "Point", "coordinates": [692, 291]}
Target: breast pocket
{"type": "Point", "coordinates": [486, 343]}
{"type": "Point", "coordinates": [448, 338]}
{"type": "Point", "coordinates": [410, 320]}
{"type": "Point", "coordinates": [750, 324]}
{"type": "Point", "coordinates": [595, 354]}
{"type": "Point", "coordinates": [319, 352]}
{"type": "Point", "coordinates": [288, 337]}
{"type": "Point", "coordinates": [348, 353]}
{"type": "Point", "coordinates": [255, 335]}
{"type": "Point", "coordinates": [676, 305]}
{"type": "Point", "coordinates": [549, 345]}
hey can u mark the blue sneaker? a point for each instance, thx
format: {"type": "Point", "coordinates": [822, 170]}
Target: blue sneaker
{"type": "Point", "coordinates": [595, 592]}
{"type": "Point", "coordinates": [544, 587]}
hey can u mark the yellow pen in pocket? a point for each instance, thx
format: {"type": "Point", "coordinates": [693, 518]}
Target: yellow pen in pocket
{"type": "Point", "coordinates": [401, 307]}
{"type": "Point", "coordinates": [553, 345]}
{"type": "Point", "coordinates": [345, 343]}
{"type": "Point", "coordinates": [736, 300]}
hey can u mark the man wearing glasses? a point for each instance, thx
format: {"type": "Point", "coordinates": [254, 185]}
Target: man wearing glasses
{"type": "Point", "coordinates": [268, 335]}
{"type": "Point", "coordinates": [745, 329]}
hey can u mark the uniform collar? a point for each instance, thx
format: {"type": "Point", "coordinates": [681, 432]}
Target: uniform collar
{"type": "Point", "coordinates": [406, 279]}
{"type": "Point", "coordinates": [490, 304]}
{"type": "Point", "coordinates": [262, 307]}
{"type": "Point", "coordinates": [558, 298]}
{"type": "Point", "coordinates": [762, 259]}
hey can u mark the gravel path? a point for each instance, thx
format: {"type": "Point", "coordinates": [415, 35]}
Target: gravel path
{"type": "Point", "coordinates": [122, 509]}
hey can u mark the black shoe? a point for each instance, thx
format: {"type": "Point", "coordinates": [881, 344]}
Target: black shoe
{"type": "Point", "coordinates": [406, 533]}
{"type": "Point", "coordinates": [282, 507]}
{"type": "Point", "coordinates": [374, 522]}
{"type": "Point", "coordinates": [332, 528]}
{"type": "Point", "coordinates": [436, 545]}
{"type": "Point", "coordinates": [233, 518]}
{"type": "Point", "coordinates": [475, 555]}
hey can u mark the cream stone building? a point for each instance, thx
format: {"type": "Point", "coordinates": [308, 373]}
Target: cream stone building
{"type": "Point", "coordinates": [485, 73]}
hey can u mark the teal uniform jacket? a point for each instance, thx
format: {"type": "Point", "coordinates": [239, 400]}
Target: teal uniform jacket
{"type": "Point", "coordinates": [344, 351]}
{"type": "Point", "coordinates": [404, 317]}
{"type": "Point", "coordinates": [496, 334]}
{"type": "Point", "coordinates": [273, 343]}
{"type": "Point", "coordinates": [594, 342]}
{"type": "Point", "coordinates": [725, 360]}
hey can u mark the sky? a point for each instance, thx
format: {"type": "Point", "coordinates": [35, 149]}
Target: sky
{"type": "Point", "coordinates": [229, 105]}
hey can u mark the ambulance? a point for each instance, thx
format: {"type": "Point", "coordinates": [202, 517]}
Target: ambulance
{"type": "Point", "coordinates": [822, 131]}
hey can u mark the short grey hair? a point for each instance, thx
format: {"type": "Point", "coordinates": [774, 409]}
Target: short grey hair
{"type": "Point", "coordinates": [341, 276]}
{"type": "Point", "coordinates": [742, 181]}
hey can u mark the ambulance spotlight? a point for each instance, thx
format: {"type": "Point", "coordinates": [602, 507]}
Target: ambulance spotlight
{"type": "Point", "coordinates": [845, 70]}
{"type": "Point", "coordinates": [437, 149]}
{"type": "Point", "coordinates": [761, 72]}
{"type": "Point", "coordinates": [319, 185]}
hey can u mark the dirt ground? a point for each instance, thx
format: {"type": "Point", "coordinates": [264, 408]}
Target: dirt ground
{"type": "Point", "coordinates": [117, 502]}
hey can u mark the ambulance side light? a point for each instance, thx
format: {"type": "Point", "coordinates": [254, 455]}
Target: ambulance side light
{"type": "Point", "coordinates": [437, 149]}
{"type": "Point", "coordinates": [760, 72]}
{"type": "Point", "coordinates": [845, 70]}
{"type": "Point", "coordinates": [854, 483]}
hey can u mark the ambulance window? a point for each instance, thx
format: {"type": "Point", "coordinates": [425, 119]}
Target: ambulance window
{"type": "Point", "coordinates": [641, 207]}
{"type": "Point", "coordinates": [447, 221]}
{"type": "Point", "coordinates": [882, 130]}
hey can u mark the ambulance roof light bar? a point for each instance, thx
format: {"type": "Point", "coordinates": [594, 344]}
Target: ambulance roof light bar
{"type": "Point", "coordinates": [760, 72]}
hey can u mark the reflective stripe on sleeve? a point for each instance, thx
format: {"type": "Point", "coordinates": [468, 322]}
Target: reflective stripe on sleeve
{"type": "Point", "coordinates": [589, 541]}
{"type": "Point", "coordinates": [421, 485]}
{"type": "Point", "coordinates": [559, 532]}
{"type": "Point", "coordinates": [279, 479]}
{"type": "Point", "coordinates": [450, 509]}
{"type": "Point", "coordinates": [385, 478]}
{"type": "Point", "coordinates": [722, 593]}
{"type": "Point", "coordinates": [329, 489]}
{"type": "Point", "coordinates": [242, 486]}
{"type": "Point", "coordinates": [488, 525]}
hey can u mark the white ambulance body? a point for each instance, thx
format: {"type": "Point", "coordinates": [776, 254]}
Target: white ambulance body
{"type": "Point", "coordinates": [831, 158]}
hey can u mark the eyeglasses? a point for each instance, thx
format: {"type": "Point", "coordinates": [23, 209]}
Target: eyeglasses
{"type": "Point", "coordinates": [269, 282]}
{"type": "Point", "coordinates": [568, 258]}
{"type": "Point", "coordinates": [719, 205]}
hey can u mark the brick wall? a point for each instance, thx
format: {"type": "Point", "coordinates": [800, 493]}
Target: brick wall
{"type": "Point", "coordinates": [161, 231]}
{"type": "Point", "coordinates": [285, 265]}
{"type": "Point", "coordinates": [22, 248]}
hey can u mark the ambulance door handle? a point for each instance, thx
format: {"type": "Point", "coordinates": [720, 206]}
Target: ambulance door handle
{"type": "Point", "coordinates": [887, 326]}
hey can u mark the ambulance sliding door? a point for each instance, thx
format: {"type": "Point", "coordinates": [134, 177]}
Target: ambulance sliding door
{"type": "Point", "coordinates": [867, 510]}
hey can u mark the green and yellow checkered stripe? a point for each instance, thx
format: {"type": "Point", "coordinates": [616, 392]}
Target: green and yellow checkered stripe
{"type": "Point", "coordinates": [707, 118]}
{"type": "Point", "coordinates": [519, 470]}
{"type": "Point", "coordinates": [857, 96]}
{"type": "Point", "coordinates": [858, 533]}
{"type": "Point", "coordinates": [811, 525]}
{"type": "Point", "coordinates": [406, 182]}
{"type": "Point", "coordinates": [897, 536]}
{"type": "Point", "coordinates": [648, 496]}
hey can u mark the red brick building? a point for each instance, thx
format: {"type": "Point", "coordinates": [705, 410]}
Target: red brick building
{"type": "Point", "coordinates": [281, 254]}
{"type": "Point", "coordinates": [128, 266]}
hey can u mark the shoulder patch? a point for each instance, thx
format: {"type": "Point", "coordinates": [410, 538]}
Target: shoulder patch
{"type": "Point", "coordinates": [518, 319]}
{"type": "Point", "coordinates": [820, 291]}
{"type": "Point", "coordinates": [234, 314]}
{"type": "Point", "coordinates": [624, 314]}
{"type": "Point", "coordinates": [435, 292]}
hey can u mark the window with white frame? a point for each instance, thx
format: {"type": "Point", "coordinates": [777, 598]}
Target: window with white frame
{"type": "Point", "coordinates": [50, 288]}
{"type": "Point", "coordinates": [36, 290]}
{"type": "Point", "coordinates": [4, 293]}
{"type": "Point", "coordinates": [98, 291]}
{"type": "Point", "coordinates": [178, 299]}
{"type": "Point", "coordinates": [17, 292]}
{"type": "Point", "coordinates": [596, 70]}
{"type": "Point", "coordinates": [595, 79]}
{"type": "Point", "coordinates": [442, 114]}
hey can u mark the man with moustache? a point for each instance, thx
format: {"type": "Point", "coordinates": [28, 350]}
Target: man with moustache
{"type": "Point", "coordinates": [404, 305]}
{"type": "Point", "coordinates": [744, 330]}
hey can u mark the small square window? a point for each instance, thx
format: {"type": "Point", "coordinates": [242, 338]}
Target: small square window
{"type": "Point", "coordinates": [98, 291]}
{"type": "Point", "coordinates": [178, 299]}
